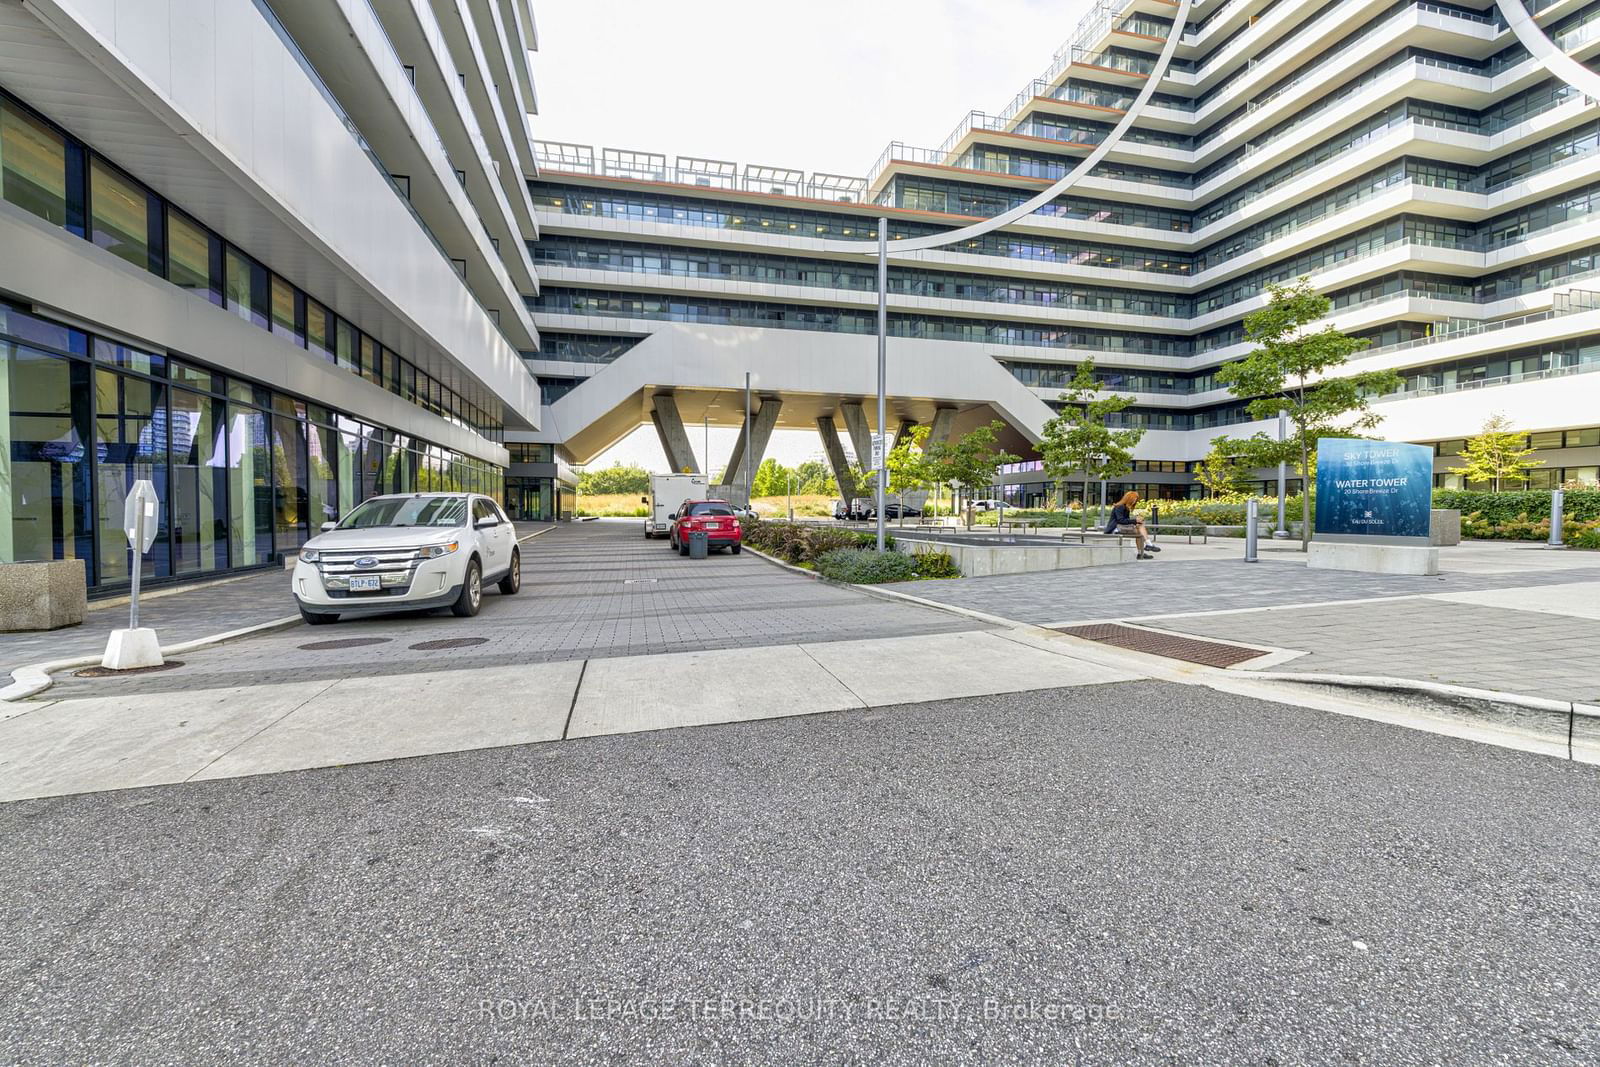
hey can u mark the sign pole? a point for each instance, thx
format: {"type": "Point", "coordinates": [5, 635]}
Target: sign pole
{"type": "Point", "coordinates": [136, 565]}
{"type": "Point", "coordinates": [878, 457]}
{"type": "Point", "coordinates": [1283, 473]}
{"type": "Point", "coordinates": [136, 647]}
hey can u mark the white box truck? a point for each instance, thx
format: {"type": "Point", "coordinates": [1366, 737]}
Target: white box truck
{"type": "Point", "coordinates": [667, 491]}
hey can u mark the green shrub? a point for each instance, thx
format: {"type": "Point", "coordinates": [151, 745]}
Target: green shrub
{"type": "Point", "coordinates": [936, 565]}
{"type": "Point", "coordinates": [1580, 505]}
{"type": "Point", "coordinates": [795, 542]}
{"type": "Point", "coordinates": [861, 567]}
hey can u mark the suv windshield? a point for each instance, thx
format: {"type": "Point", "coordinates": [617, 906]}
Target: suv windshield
{"type": "Point", "coordinates": [407, 511]}
{"type": "Point", "coordinates": [710, 509]}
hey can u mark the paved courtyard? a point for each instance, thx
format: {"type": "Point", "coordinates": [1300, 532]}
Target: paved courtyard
{"type": "Point", "coordinates": [920, 884]}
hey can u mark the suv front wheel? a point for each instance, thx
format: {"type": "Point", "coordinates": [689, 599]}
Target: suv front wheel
{"type": "Point", "coordinates": [471, 597]}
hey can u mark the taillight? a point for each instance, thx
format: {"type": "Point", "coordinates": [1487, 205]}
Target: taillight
{"type": "Point", "coordinates": [688, 524]}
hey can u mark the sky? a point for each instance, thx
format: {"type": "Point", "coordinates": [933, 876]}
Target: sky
{"type": "Point", "coordinates": [812, 85]}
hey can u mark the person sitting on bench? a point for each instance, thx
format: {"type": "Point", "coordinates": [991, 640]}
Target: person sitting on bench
{"type": "Point", "coordinates": [1124, 521]}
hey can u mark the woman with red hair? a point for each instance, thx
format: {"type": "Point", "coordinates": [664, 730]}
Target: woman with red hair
{"type": "Point", "coordinates": [1124, 521]}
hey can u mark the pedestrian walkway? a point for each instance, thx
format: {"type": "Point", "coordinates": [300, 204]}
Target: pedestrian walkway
{"type": "Point", "coordinates": [1505, 617]}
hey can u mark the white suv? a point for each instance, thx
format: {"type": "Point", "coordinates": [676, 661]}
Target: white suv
{"type": "Point", "coordinates": [408, 552]}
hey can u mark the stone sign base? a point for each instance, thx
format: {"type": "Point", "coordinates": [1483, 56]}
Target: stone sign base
{"type": "Point", "coordinates": [129, 649]}
{"type": "Point", "coordinates": [1444, 527]}
{"type": "Point", "coordinates": [42, 596]}
{"type": "Point", "coordinates": [1375, 559]}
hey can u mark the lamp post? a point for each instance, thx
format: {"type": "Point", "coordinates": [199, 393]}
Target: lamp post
{"type": "Point", "coordinates": [705, 426]}
{"type": "Point", "coordinates": [745, 460]}
{"type": "Point", "coordinates": [878, 458]}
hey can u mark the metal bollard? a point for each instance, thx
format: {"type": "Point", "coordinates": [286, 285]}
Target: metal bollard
{"type": "Point", "coordinates": [1155, 522]}
{"type": "Point", "coordinates": [1557, 507]}
{"type": "Point", "coordinates": [1250, 510]}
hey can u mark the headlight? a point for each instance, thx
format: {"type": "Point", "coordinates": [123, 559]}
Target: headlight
{"type": "Point", "coordinates": [310, 555]}
{"type": "Point", "coordinates": [435, 551]}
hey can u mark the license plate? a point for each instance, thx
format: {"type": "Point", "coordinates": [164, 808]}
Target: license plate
{"type": "Point", "coordinates": [364, 583]}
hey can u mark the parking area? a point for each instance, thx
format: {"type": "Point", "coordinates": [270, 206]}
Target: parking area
{"type": "Point", "coordinates": [589, 591]}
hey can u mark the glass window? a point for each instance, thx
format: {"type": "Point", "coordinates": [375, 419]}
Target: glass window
{"type": "Point", "coordinates": [119, 215]}
{"type": "Point", "coordinates": [33, 165]}
{"type": "Point", "coordinates": [318, 339]}
{"type": "Point", "coordinates": [322, 466]}
{"type": "Point", "coordinates": [243, 284]}
{"type": "Point", "coordinates": [371, 368]}
{"type": "Point", "coordinates": [44, 426]}
{"type": "Point", "coordinates": [284, 320]}
{"type": "Point", "coordinates": [408, 511]}
{"type": "Point", "coordinates": [249, 487]}
{"type": "Point", "coordinates": [130, 418]}
{"type": "Point", "coordinates": [391, 371]}
{"type": "Point", "coordinates": [291, 489]}
{"type": "Point", "coordinates": [191, 251]}
{"type": "Point", "coordinates": [129, 358]}
{"type": "Point", "coordinates": [1549, 439]}
{"type": "Point", "coordinates": [345, 344]}
{"type": "Point", "coordinates": [197, 377]}
{"type": "Point", "coordinates": [1585, 476]}
{"type": "Point", "coordinates": [199, 483]}
{"type": "Point", "coordinates": [1583, 438]}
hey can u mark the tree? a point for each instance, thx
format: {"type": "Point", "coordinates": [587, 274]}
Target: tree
{"type": "Point", "coordinates": [1290, 371]}
{"type": "Point", "coordinates": [973, 461]}
{"type": "Point", "coordinates": [1498, 453]}
{"type": "Point", "coordinates": [813, 478]}
{"type": "Point", "coordinates": [1226, 469]}
{"type": "Point", "coordinates": [1077, 439]}
{"type": "Point", "coordinates": [772, 479]}
{"type": "Point", "coordinates": [616, 478]}
{"type": "Point", "coordinates": [908, 466]}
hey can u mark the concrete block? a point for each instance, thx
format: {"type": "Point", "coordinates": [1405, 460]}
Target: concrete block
{"type": "Point", "coordinates": [42, 596]}
{"type": "Point", "coordinates": [1374, 559]}
{"type": "Point", "coordinates": [128, 649]}
{"type": "Point", "coordinates": [1444, 526]}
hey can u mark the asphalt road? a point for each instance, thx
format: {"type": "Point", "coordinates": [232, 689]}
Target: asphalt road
{"type": "Point", "coordinates": [1179, 876]}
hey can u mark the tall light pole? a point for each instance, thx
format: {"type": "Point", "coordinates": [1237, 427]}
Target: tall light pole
{"type": "Point", "coordinates": [745, 460]}
{"type": "Point", "coordinates": [878, 458]}
{"type": "Point", "coordinates": [705, 426]}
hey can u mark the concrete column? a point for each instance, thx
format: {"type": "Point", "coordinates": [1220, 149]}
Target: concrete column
{"type": "Point", "coordinates": [835, 453]}
{"type": "Point", "coordinates": [904, 432]}
{"type": "Point", "coordinates": [674, 440]}
{"type": "Point", "coordinates": [761, 424]}
{"type": "Point", "coordinates": [855, 420]}
{"type": "Point", "coordinates": [944, 421]}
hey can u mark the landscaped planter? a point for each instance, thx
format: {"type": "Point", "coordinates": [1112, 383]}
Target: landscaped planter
{"type": "Point", "coordinates": [42, 596]}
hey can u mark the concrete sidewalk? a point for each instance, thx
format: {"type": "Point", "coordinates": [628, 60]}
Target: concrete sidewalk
{"type": "Point", "coordinates": [92, 743]}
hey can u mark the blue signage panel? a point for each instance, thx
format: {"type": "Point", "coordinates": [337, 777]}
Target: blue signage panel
{"type": "Point", "coordinates": [1373, 489]}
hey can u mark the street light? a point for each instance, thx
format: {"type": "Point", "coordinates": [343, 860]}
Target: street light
{"type": "Point", "coordinates": [879, 460]}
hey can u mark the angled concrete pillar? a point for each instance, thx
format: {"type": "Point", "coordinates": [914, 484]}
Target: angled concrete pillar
{"type": "Point", "coordinates": [836, 459]}
{"type": "Point", "coordinates": [761, 424]}
{"type": "Point", "coordinates": [674, 441]}
{"type": "Point", "coordinates": [855, 420]}
{"type": "Point", "coordinates": [906, 426]}
{"type": "Point", "coordinates": [944, 421]}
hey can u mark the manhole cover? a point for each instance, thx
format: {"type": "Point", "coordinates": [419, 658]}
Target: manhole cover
{"type": "Point", "coordinates": [343, 642]}
{"type": "Point", "coordinates": [1210, 653]}
{"type": "Point", "coordinates": [106, 672]}
{"type": "Point", "coordinates": [448, 642]}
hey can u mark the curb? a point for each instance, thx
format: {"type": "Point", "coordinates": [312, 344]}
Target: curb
{"type": "Point", "coordinates": [35, 678]}
{"type": "Point", "coordinates": [888, 594]}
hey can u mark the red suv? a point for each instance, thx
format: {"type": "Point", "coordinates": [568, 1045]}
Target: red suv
{"type": "Point", "coordinates": [715, 517]}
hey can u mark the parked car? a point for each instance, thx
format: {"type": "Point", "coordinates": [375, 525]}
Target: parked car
{"type": "Point", "coordinates": [408, 552]}
{"type": "Point", "coordinates": [985, 505]}
{"type": "Point", "coordinates": [744, 512]}
{"type": "Point", "coordinates": [894, 511]}
{"type": "Point", "coordinates": [715, 517]}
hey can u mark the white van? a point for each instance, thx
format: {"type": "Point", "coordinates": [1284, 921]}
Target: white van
{"type": "Point", "coordinates": [667, 491]}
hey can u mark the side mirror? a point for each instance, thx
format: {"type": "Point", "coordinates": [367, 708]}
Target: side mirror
{"type": "Point", "coordinates": [483, 524]}
{"type": "Point", "coordinates": [325, 527]}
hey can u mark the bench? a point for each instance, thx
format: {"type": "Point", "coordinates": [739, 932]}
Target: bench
{"type": "Point", "coordinates": [1083, 536]}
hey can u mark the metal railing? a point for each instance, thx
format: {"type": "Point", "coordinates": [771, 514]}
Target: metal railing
{"type": "Point", "coordinates": [1489, 383]}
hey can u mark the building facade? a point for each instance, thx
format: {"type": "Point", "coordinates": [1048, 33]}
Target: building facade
{"type": "Point", "coordinates": [1427, 171]}
{"type": "Point", "coordinates": [272, 256]}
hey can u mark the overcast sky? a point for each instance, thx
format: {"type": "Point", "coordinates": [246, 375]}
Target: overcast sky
{"type": "Point", "coordinates": [813, 85]}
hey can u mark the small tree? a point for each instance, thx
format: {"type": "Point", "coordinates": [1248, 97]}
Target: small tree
{"type": "Point", "coordinates": [1226, 469]}
{"type": "Point", "coordinates": [1497, 454]}
{"type": "Point", "coordinates": [617, 478]}
{"type": "Point", "coordinates": [813, 477]}
{"type": "Point", "coordinates": [1289, 372]}
{"type": "Point", "coordinates": [1078, 439]}
{"type": "Point", "coordinates": [974, 460]}
{"type": "Point", "coordinates": [909, 469]}
{"type": "Point", "coordinates": [772, 479]}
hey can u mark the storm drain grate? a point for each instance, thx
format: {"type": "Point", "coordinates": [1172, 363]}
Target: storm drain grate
{"type": "Point", "coordinates": [343, 642]}
{"type": "Point", "coordinates": [1210, 653]}
{"type": "Point", "coordinates": [448, 642]}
